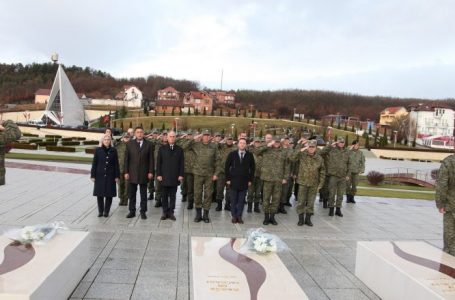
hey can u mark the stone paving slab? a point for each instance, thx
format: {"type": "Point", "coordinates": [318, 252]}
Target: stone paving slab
{"type": "Point", "coordinates": [150, 259]}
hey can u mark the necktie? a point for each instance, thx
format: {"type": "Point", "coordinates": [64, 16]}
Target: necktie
{"type": "Point", "coordinates": [241, 157]}
{"type": "Point", "coordinates": [172, 147]}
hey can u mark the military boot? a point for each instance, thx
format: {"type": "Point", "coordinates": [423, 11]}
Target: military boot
{"type": "Point", "coordinates": [158, 202]}
{"type": "Point", "coordinates": [352, 199]}
{"type": "Point", "coordinates": [331, 210]}
{"type": "Point", "coordinates": [198, 217]}
{"type": "Point", "coordinates": [150, 197]}
{"type": "Point", "coordinates": [308, 220]}
{"type": "Point", "coordinates": [184, 198]}
{"type": "Point", "coordinates": [348, 198]}
{"type": "Point", "coordinates": [227, 206]}
{"type": "Point", "coordinates": [338, 212]}
{"type": "Point", "coordinates": [281, 209]}
{"type": "Point", "coordinates": [256, 207]}
{"type": "Point", "coordinates": [205, 217]}
{"type": "Point", "coordinates": [272, 219]}
{"type": "Point", "coordinates": [301, 220]}
{"type": "Point", "coordinates": [324, 203]}
{"type": "Point", "coordinates": [266, 219]}
{"type": "Point", "coordinates": [190, 205]}
{"type": "Point", "coordinates": [219, 205]}
{"type": "Point", "coordinates": [250, 207]}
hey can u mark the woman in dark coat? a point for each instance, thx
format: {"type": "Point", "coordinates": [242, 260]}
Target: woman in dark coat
{"type": "Point", "coordinates": [105, 173]}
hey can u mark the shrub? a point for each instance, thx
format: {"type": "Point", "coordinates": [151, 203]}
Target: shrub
{"type": "Point", "coordinates": [24, 146]}
{"type": "Point", "coordinates": [79, 138]}
{"type": "Point", "coordinates": [90, 150]}
{"type": "Point", "coordinates": [375, 177]}
{"type": "Point", "coordinates": [66, 139]}
{"type": "Point", "coordinates": [29, 135]}
{"type": "Point", "coordinates": [60, 149]}
{"type": "Point", "coordinates": [90, 142]}
{"type": "Point", "coordinates": [34, 140]}
{"type": "Point", "coordinates": [43, 144]}
{"type": "Point", "coordinates": [70, 143]}
{"type": "Point", "coordinates": [53, 136]}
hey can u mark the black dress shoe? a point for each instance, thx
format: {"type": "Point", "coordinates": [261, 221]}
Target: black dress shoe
{"type": "Point", "coordinates": [158, 203]}
{"type": "Point", "coordinates": [163, 217]}
{"type": "Point", "coordinates": [190, 205]}
{"type": "Point", "coordinates": [234, 220]}
{"type": "Point", "coordinates": [172, 217]}
{"type": "Point", "coordinates": [131, 215]}
{"type": "Point", "coordinates": [100, 215]}
{"type": "Point", "coordinates": [143, 216]}
{"type": "Point", "coordinates": [106, 215]}
{"type": "Point", "coordinates": [239, 220]}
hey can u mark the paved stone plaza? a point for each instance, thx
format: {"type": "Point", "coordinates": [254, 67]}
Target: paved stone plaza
{"type": "Point", "coordinates": [150, 259]}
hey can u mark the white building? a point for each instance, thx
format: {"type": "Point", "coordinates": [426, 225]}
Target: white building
{"type": "Point", "coordinates": [129, 96]}
{"type": "Point", "coordinates": [430, 120]}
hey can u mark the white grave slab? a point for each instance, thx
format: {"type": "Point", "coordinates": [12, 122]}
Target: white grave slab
{"type": "Point", "coordinates": [406, 270]}
{"type": "Point", "coordinates": [221, 272]}
{"type": "Point", "coordinates": [52, 272]}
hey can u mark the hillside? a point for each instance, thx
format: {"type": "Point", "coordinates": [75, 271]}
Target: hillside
{"type": "Point", "coordinates": [19, 82]}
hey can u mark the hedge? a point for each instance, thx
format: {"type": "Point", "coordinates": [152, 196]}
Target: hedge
{"type": "Point", "coordinates": [42, 144]}
{"type": "Point", "coordinates": [79, 138]}
{"type": "Point", "coordinates": [53, 136]}
{"type": "Point", "coordinates": [24, 146]}
{"type": "Point", "coordinates": [60, 149]}
{"type": "Point", "coordinates": [69, 143]}
{"type": "Point", "coordinates": [66, 139]}
{"type": "Point", "coordinates": [90, 150]}
{"type": "Point", "coordinates": [29, 134]}
{"type": "Point", "coordinates": [34, 140]}
{"type": "Point", "coordinates": [90, 142]}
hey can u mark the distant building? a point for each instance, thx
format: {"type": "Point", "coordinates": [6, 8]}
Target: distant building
{"type": "Point", "coordinates": [431, 120]}
{"type": "Point", "coordinates": [390, 114]}
{"type": "Point", "coordinates": [169, 100]}
{"type": "Point", "coordinates": [129, 96]}
{"type": "Point", "coordinates": [340, 120]}
{"type": "Point", "coordinates": [42, 96]}
{"type": "Point", "coordinates": [223, 98]}
{"type": "Point", "coordinates": [199, 101]}
{"type": "Point", "coordinates": [168, 94]}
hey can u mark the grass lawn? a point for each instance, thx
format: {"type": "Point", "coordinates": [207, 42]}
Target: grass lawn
{"type": "Point", "coordinates": [395, 194]}
{"type": "Point", "coordinates": [49, 157]}
{"type": "Point", "coordinates": [396, 186]}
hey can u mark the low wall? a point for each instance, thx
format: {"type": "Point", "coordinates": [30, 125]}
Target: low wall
{"type": "Point", "coordinates": [410, 155]}
{"type": "Point", "coordinates": [18, 116]}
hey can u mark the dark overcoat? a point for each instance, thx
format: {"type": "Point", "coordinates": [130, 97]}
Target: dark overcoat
{"type": "Point", "coordinates": [105, 168]}
{"type": "Point", "coordinates": [170, 165]}
{"type": "Point", "coordinates": [239, 173]}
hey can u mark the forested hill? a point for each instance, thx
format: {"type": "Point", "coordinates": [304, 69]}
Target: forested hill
{"type": "Point", "coordinates": [19, 82]}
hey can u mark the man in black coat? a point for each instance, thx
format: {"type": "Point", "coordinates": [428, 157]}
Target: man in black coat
{"type": "Point", "coordinates": [169, 172]}
{"type": "Point", "coordinates": [138, 170]}
{"type": "Point", "coordinates": [239, 170]}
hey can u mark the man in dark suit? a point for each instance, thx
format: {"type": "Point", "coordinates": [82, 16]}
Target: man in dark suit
{"type": "Point", "coordinates": [239, 170]}
{"type": "Point", "coordinates": [169, 172]}
{"type": "Point", "coordinates": [138, 170]}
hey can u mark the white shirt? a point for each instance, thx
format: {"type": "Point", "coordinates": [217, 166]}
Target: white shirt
{"type": "Point", "coordinates": [240, 154]}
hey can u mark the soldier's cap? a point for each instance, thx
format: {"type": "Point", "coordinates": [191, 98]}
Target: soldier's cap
{"type": "Point", "coordinates": [228, 137]}
{"type": "Point", "coordinates": [340, 140]}
{"type": "Point", "coordinates": [286, 137]}
{"type": "Point", "coordinates": [155, 131]}
{"type": "Point", "coordinates": [189, 131]}
{"type": "Point", "coordinates": [164, 132]}
{"type": "Point", "coordinates": [217, 134]}
{"type": "Point", "coordinates": [126, 135]}
{"type": "Point", "coordinates": [206, 132]}
{"type": "Point", "coordinates": [355, 142]}
{"type": "Point", "coordinates": [257, 139]}
{"type": "Point", "coordinates": [312, 143]}
{"type": "Point", "coordinates": [276, 138]}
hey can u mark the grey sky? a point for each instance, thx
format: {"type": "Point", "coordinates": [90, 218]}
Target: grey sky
{"type": "Point", "coordinates": [379, 47]}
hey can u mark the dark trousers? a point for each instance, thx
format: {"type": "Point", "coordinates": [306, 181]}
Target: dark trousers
{"type": "Point", "coordinates": [168, 194]}
{"type": "Point", "coordinates": [132, 189]}
{"type": "Point", "coordinates": [104, 206]}
{"type": "Point", "coordinates": [237, 202]}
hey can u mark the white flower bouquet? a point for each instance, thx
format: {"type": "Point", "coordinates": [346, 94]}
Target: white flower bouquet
{"type": "Point", "coordinates": [36, 233]}
{"type": "Point", "coordinates": [260, 241]}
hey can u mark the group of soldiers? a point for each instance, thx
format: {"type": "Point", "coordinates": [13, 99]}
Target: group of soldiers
{"type": "Point", "coordinates": [284, 167]}
{"type": "Point", "coordinates": [9, 132]}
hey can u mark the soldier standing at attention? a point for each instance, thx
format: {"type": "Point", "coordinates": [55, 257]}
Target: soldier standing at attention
{"type": "Point", "coordinates": [205, 170]}
{"type": "Point", "coordinates": [9, 132]}
{"type": "Point", "coordinates": [153, 138]}
{"type": "Point", "coordinates": [337, 168]}
{"type": "Point", "coordinates": [188, 177]}
{"type": "Point", "coordinates": [255, 189]}
{"type": "Point", "coordinates": [285, 145]}
{"type": "Point", "coordinates": [445, 201]}
{"type": "Point", "coordinates": [310, 179]}
{"type": "Point", "coordinates": [274, 174]}
{"type": "Point", "coordinates": [216, 139]}
{"type": "Point", "coordinates": [122, 183]}
{"type": "Point", "coordinates": [356, 167]}
{"type": "Point", "coordinates": [160, 141]}
{"type": "Point", "coordinates": [225, 147]}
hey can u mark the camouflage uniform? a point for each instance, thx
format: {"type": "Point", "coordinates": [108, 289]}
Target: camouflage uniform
{"type": "Point", "coordinates": [224, 151]}
{"type": "Point", "coordinates": [255, 189]}
{"type": "Point", "coordinates": [157, 186]}
{"type": "Point", "coordinates": [188, 177]}
{"type": "Point", "coordinates": [205, 166]}
{"type": "Point", "coordinates": [445, 198]}
{"type": "Point", "coordinates": [10, 134]}
{"type": "Point", "coordinates": [311, 176]}
{"type": "Point", "coordinates": [324, 192]}
{"type": "Point", "coordinates": [356, 166]}
{"type": "Point", "coordinates": [122, 184]}
{"type": "Point", "coordinates": [274, 170]}
{"type": "Point", "coordinates": [287, 187]}
{"type": "Point", "coordinates": [151, 183]}
{"type": "Point", "coordinates": [337, 161]}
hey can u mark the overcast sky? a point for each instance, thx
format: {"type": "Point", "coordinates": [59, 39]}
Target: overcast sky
{"type": "Point", "coordinates": [402, 48]}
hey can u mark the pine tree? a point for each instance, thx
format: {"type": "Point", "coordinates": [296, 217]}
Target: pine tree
{"type": "Point", "coordinates": [352, 128]}
{"type": "Point", "coordinates": [345, 126]}
{"type": "Point", "coordinates": [163, 127]}
{"type": "Point", "coordinates": [314, 121]}
{"type": "Point", "coordinates": [367, 142]}
{"type": "Point", "coordinates": [131, 124]}
{"type": "Point", "coordinates": [346, 140]}
{"type": "Point", "coordinates": [221, 112]}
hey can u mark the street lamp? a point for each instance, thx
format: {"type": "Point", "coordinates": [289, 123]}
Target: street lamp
{"type": "Point", "coordinates": [254, 129]}
{"type": "Point", "coordinates": [232, 129]}
{"type": "Point", "coordinates": [395, 138]}
{"type": "Point", "coordinates": [176, 125]}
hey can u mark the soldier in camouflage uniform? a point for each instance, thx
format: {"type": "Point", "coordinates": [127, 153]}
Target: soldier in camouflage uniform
{"type": "Point", "coordinates": [311, 179]}
{"type": "Point", "coordinates": [324, 192]}
{"type": "Point", "coordinates": [205, 170]}
{"type": "Point", "coordinates": [255, 189]}
{"type": "Point", "coordinates": [160, 141]}
{"type": "Point", "coordinates": [187, 187]}
{"type": "Point", "coordinates": [337, 157]}
{"type": "Point", "coordinates": [445, 201]}
{"type": "Point", "coordinates": [355, 168]}
{"type": "Point", "coordinates": [216, 139]}
{"type": "Point", "coordinates": [285, 145]}
{"type": "Point", "coordinates": [274, 174]}
{"type": "Point", "coordinates": [152, 138]}
{"type": "Point", "coordinates": [9, 132]}
{"type": "Point", "coordinates": [224, 149]}
{"type": "Point", "coordinates": [122, 183]}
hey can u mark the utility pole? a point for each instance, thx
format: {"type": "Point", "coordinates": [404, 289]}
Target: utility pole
{"type": "Point", "coordinates": [221, 80]}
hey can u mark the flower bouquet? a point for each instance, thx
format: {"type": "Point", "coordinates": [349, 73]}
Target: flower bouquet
{"type": "Point", "coordinates": [260, 241]}
{"type": "Point", "coordinates": [35, 233]}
